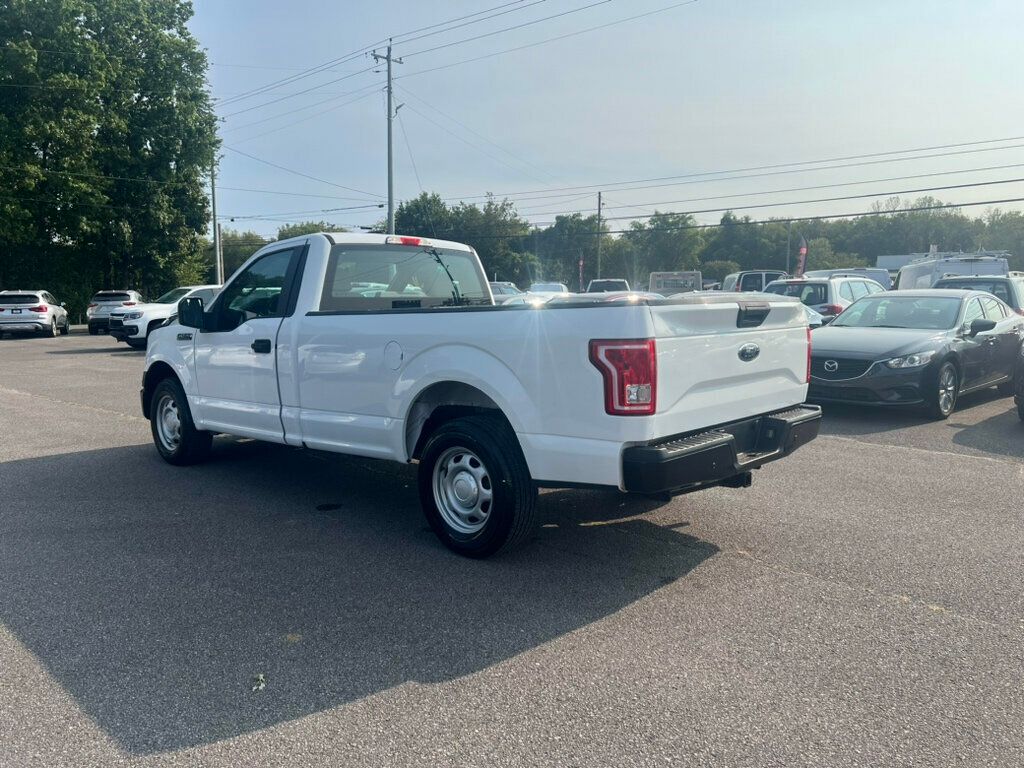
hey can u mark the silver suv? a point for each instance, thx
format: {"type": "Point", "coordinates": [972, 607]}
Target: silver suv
{"type": "Point", "coordinates": [35, 311]}
{"type": "Point", "coordinates": [828, 296]}
{"type": "Point", "coordinates": [101, 305]}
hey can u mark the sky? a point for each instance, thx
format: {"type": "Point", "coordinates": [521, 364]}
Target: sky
{"type": "Point", "coordinates": [699, 88]}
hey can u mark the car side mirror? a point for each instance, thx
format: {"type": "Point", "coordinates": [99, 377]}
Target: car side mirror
{"type": "Point", "coordinates": [980, 326]}
{"type": "Point", "coordinates": [64, 304]}
{"type": "Point", "coordinates": [192, 315]}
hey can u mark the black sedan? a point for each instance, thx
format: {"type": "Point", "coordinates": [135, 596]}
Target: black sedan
{"type": "Point", "coordinates": [916, 347]}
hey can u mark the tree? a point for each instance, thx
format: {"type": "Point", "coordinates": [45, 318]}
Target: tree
{"type": "Point", "coordinates": [106, 137]}
{"type": "Point", "coordinates": [306, 228]}
{"type": "Point", "coordinates": [717, 270]}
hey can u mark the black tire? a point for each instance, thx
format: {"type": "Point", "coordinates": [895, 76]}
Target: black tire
{"type": "Point", "coordinates": [509, 516]}
{"type": "Point", "coordinates": [66, 328]}
{"type": "Point", "coordinates": [940, 406]}
{"type": "Point", "coordinates": [192, 445]}
{"type": "Point", "coordinates": [93, 330]}
{"type": "Point", "coordinates": [136, 343]}
{"type": "Point", "coordinates": [53, 332]}
{"type": "Point", "coordinates": [1006, 389]}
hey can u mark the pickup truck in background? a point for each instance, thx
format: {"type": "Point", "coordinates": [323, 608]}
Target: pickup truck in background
{"type": "Point", "coordinates": [392, 347]}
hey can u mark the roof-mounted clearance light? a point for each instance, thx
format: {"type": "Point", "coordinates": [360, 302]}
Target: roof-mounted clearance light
{"type": "Point", "coordinates": [404, 240]}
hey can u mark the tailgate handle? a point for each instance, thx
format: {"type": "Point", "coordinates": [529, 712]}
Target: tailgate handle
{"type": "Point", "coordinates": [752, 314]}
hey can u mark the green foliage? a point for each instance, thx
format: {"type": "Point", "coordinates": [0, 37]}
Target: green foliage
{"type": "Point", "coordinates": [103, 159]}
{"type": "Point", "coordinates": [717, 270]}
{"type": "Point", "coordinates": [306, 228]}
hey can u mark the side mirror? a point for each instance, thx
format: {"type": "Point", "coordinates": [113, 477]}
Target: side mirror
{"type": "Point", "coordinates": [191, 314]}
{"type": "Point", "coordinates": [980, 326]}
{"type": "Point", "coordinates": [64, 304]}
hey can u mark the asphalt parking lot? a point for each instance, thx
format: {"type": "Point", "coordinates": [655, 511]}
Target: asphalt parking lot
{"type": "Point", "coordinates": [861, 605]}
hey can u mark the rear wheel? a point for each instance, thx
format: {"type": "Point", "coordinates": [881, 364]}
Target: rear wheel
{"type": "Point", "coordinates": [174, 433]}
{"type": "Point", "coordinates": [53, 332]}
{"type": "Point", "coordinates": [1006, 389]}
{"type": "Point", "coordinates": [136, 343]}
{"type": "Point", "coordinates": [475, 488]}
{"type": "Point", "coordinates": [93, 330]}
{"type": "Point", "coordinates": [945, 392]}
{"type": "Point", "coordinates": [66, 328]}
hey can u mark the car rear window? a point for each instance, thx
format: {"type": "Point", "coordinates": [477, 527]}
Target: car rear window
{"type": "Point", "coordinates": [110, 296]}
{"type": "Point", "coordinates": [20, 298]}
{"type": "Point", "coordinates": [997, 288]}
{"type": "Point", "coordinates": [368, 277]}
{"type": "Point", "coordinates": [810, 294]}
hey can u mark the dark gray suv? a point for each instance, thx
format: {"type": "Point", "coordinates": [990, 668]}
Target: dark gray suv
{"type": "Point", "coordinates": [1009, 289]}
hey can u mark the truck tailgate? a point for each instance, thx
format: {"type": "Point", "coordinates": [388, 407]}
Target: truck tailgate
{"type": "Point", "coordinates": [723, 358]}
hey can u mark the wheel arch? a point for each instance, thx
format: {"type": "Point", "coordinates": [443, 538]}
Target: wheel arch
{"type": "Point", "coordinates": [157, 372]}
{"type": "Point", "coordinates": [441, 402]}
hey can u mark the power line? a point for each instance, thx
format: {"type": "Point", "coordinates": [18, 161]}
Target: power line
{"type": "Point", "coordinates": [465, 127]}
{"type": "Point", "coordinates": [297, 173]}
{"type": "Point", "coordinates": [603, 185]}
{"type": "Point", "coordinates": [290, 194]}
{"type": "Point", "coordinates": [507, 29]}
{"type": "Point", "coordinates": [235, 217]}
{"type": "Point", "coordinates": [549, 40]}
{"type": "Point", "coordinates": [299, 93]}
{"type": "Point", "coordinates": [317, 69]}
{"type": "Point", "coordinates": [652, 204]}
{"type": "Point", "coordinates": [823, 199]}
{"type": "Point", "coordinates": [290, 112]}
{"type": "Point", "coordinates": [375, 89]}
{"type": "Point", "coordinates": [699, 178]}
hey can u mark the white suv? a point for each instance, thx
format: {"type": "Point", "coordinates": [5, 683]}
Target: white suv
{"type": "Point", "coordinates": [103, 303]}
{"type": "Point", "coordinates": [133, 325]}
{"type": "Point", "coordinates": [828, 296]}
{"type": "Point", "coordinates": [34, 311]}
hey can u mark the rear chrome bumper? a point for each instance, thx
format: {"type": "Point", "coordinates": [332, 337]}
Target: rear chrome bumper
{"type": "Point", "coordinates": [22, 326]}
{"type": "Point", "coordinates": [722, 455]}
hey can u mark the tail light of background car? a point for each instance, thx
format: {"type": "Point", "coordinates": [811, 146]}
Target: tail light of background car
{"type": "Point", "coordinates": [831, 309]}
{"type": "Point", "coordinates": [808, 379]}
{"type": "Point", "coordinates": [629, 368]}
{"type": "Point", "coordinates": [40, 308]}
{"type": "Point", "coordinates": [127, 303]}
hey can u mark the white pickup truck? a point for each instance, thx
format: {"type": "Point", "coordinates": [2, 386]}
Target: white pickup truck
{"type": "Point", "coordinates": [392, 347]}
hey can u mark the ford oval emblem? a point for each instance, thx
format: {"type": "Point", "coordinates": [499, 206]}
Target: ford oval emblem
{"type": "Point", "coordinates": [748, 352]}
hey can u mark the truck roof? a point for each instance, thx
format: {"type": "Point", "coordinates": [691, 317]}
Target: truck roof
{"type": "Point", "coordinates": [372, 238]}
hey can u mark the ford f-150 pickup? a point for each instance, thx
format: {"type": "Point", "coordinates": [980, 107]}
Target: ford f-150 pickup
{"type": "Point", "coordinates": [393, 347]}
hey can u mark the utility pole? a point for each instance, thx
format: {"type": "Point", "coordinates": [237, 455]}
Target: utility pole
{"type": "Point", "coordinates": [391, 116]}
{"type": "Point", "coordinates": [218, 256]}
{"type": "Point", "coordinates": [599, 234]}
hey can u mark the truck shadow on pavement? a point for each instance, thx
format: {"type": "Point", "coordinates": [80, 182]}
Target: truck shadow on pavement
{"type": "Point", "coordinates": [160, 597]}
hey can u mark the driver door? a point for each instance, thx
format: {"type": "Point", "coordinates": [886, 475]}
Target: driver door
{"type": "Point", "coordinates": [236, 362]}
{"type": "Point", "coordinates": [976, 351]}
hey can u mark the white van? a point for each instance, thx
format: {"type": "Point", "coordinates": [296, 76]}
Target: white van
{"type": "Point", "coordinates": [924, 272]}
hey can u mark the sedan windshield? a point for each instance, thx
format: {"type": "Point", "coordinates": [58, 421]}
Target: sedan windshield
{"type": "Point", "coordinates": [172, 296]}
{"type": "Point", "coordinates": [886, 311]}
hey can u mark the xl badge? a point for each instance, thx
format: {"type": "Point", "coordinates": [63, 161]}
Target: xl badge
{"type": "Point", "coordinates": [748, 352]}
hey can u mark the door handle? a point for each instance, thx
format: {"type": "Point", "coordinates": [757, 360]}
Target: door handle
{"type": "Point", "coordinates": [261, 346]}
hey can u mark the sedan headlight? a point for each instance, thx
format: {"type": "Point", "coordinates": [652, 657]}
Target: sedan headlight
{"type": "Point", "coordinates": [911, 361]}
{"type": "Point", "coordinates": [132, 315]}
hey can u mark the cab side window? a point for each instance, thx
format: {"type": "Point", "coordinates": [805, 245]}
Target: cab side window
{"type": "Point", "coordinates": [859, 288]}
{"type": "Point", "coordinates": [845, 291]}
{"type": "Point", "coordinates": [256, 292]}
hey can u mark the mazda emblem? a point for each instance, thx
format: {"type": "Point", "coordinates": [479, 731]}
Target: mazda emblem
{"type": "Point", "coordinates": [831, 366]}
{"type": "Point", "coordinates": [748, 352]}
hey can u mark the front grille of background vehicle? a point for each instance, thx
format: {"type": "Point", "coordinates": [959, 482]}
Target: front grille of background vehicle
{"type": "Point", "coordinates": [856, 394]}
{"type": "Point", "coordinates": [116, 322]}
{"type": "Point", "coordinates": [848, 369]}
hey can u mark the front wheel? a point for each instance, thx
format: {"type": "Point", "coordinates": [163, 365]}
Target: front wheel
{"type": "Point", "coordinates": [945, 392]}
{"type": "Point", "coordinates": [475, 488]}
{"type": "Point", "coordinates": [174, 432]}
{"type": "Point", "coordinates": [66, 328]}
{"type": "Point", "coordinates": [136, 343]}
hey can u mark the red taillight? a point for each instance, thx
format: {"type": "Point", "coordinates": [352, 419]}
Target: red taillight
{"type": "Point", "coordinates": [831, 309]}
{"type": "Point", "coordinates": [40, 308]}
{"type": "Point", "coordinates": [808, 379]}
{"type": "Point", "coordinates": [630, 371]}
{"type": "Point", "coordinates": [127, 303]}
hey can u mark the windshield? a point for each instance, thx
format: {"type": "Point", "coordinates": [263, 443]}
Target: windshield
{"type": "Point", "coordinates": [603, 286]}
{"type": "Point", "coordinates": [372, 277]}
{"type": "Point", "coordinates": [995, 287]}
{"type": "Point", "coordinates": [549, 288]}
{"type": "Point", "coordinates": [172, 296]}
{"type": "Point", "coordinates": [887, 311]}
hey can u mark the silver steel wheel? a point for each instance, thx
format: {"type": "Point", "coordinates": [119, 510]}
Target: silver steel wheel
{"type": "Point", "coordinates": [463, 491]}
{"type": "Point", "coordinates": [947, 389]}
{"type": "Point", "coordinates": [168, 423]}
